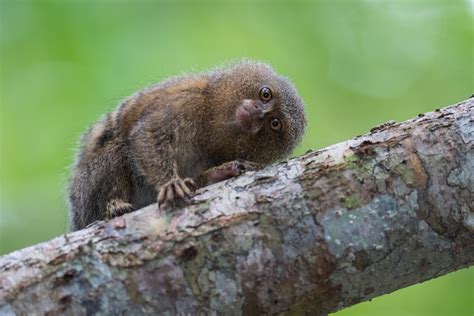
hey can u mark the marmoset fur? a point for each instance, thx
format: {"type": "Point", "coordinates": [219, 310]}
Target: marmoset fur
{"type": "Point", "coordinates": [165, 141]}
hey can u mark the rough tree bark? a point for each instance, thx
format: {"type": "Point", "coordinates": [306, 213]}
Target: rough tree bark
{"type": "Point", "coordinates": [310, 235]}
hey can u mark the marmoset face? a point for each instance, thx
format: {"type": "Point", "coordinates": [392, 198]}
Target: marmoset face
{"type": "Point", "coordinates": [266, 114]}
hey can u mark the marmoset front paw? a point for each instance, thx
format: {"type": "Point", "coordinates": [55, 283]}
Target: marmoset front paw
{"type": "Point", "coordinates": [229, 170]}
{"type": "Point", "coordinates": [175, 190]}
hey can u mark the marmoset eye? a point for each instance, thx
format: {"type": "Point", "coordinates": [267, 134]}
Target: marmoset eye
{"type": "Point", "coordinates": [266, 94]}
{"type": "Point", "coordinates": [275, 124]}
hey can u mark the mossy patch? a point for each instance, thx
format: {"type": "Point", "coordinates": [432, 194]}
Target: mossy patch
{"type": "Point", "coordinates": [406, 173]}
{"type": "Point", "coordinates": [362, 166]}
{"type": "Point", "coordinates": [351, 202]}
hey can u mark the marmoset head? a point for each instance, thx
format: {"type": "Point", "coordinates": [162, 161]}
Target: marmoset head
{"type": "Point", "coordinates": [258, 112]}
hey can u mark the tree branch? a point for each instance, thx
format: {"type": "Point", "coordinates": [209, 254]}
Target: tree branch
{"type": "Point", "coordinates": [313, 234]}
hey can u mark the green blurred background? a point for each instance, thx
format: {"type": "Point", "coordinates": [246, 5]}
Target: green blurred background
{"type": "Point", "coordinates": [355, 63]}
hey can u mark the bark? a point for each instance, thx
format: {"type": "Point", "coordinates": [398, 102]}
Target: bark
{"type": "Point", "coordinates": [312, 235]}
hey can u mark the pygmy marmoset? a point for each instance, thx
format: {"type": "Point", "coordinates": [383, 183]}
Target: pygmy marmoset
{"type": "Point", "coordinates": [163, 142]}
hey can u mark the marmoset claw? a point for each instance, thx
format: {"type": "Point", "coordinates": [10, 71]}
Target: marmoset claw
{"type": "Point", "coordinates": [175, 190]}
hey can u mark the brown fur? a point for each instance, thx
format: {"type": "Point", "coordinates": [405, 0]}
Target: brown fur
{"type": "Point", "coordinates": [162, 138]}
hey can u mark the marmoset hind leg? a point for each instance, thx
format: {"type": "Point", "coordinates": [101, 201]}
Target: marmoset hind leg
{"type": "Point", "coordinates": [99, 187]}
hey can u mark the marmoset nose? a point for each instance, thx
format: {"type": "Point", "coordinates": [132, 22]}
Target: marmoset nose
{"type": "Point", "coordinates": [253, 107]}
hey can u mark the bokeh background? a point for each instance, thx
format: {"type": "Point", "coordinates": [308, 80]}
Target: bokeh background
{"type": "Point", "coordinates": [355, 63]}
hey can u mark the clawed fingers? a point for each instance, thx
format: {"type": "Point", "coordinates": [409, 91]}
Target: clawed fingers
{"type": "Point", "coordinates": [229, 170]}
{"type": "Point", "coordinates": [162, 194]}
{"type": "Point", "coordinates": [245, 165]}
{"type": "Point", "coordinates": [176, 189]}
{"type": "Point", "coordinates": [182, 190]}
{"type": "Point", "coordinates": [117, 207]}
{"type": "Point", "coordinates": [190, 183]}
{"type": "Point", "coordinates": [165, 197]}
